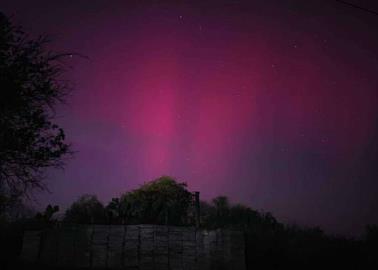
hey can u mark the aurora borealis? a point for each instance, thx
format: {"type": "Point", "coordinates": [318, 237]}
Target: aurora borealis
{"type": "Point", "coordinates": [273, 103]}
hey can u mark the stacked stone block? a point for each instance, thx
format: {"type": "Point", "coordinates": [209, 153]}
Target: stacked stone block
{"type": "Point", "coordinates": [135, 247]}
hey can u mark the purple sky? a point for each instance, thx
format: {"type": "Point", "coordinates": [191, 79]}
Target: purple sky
{"type": "Point", "coordinates": [273, 103]}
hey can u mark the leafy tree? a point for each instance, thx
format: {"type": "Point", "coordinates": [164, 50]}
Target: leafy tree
{"type": "Point", "coordinates": [243, 216]}
{"type": "Point", "coordinates": [31, 86]}
{"type": "Point", "coordinates": [113, 211]}
{"type": "Point", "coordinates": [47, 216]}
{"type": "Point", "coordinates": [87, 209]}
{"type": "Point", "coordinates": [208, 213]}
{"type": "Point", "coordinates": [162, 201]}
{"type": "Point", "coordinates": [13, 208]}
{"type": "Point", "coordinates": [222, 209]}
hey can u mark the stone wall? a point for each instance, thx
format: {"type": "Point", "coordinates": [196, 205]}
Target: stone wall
{"type": "Point", "coordinates": [141, 247]}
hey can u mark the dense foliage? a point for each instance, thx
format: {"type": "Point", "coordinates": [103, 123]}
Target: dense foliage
{"type": "Point", "coordinates": [86, 210]}
{"type": "Point", "coordinates": [162, 201]}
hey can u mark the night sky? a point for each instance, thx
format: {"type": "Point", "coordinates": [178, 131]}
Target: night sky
{"type": "Point", "coordinates": [273, 103]}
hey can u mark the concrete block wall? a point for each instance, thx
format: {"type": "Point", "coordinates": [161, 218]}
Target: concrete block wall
{"type": "Point", "coordinates": [139, 247]}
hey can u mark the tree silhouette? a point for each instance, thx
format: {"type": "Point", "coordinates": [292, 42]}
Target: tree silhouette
{"type": "Point", "coordinates": [47, 216]}
{"type": "Point", "coordinates": [162, 201]}
{"type": "Point", "coordinates": [222, 210]}
{"type": "Point", "coordinates": [114, 212]}
{"type": "Point", "coordinates": [87, 209]}
{"type": "Point", "coordinates": [31, 86]}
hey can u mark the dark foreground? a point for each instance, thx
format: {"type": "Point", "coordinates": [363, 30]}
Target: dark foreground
{"type": "Point", "coordinates": [263, 250]}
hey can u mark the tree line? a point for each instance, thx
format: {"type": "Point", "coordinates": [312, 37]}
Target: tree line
{"type": "Point", "coordinates": [269, 243]}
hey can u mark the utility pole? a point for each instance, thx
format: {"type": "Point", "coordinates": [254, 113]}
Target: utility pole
{"type": "Point", "coordinates": [197, 208]}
